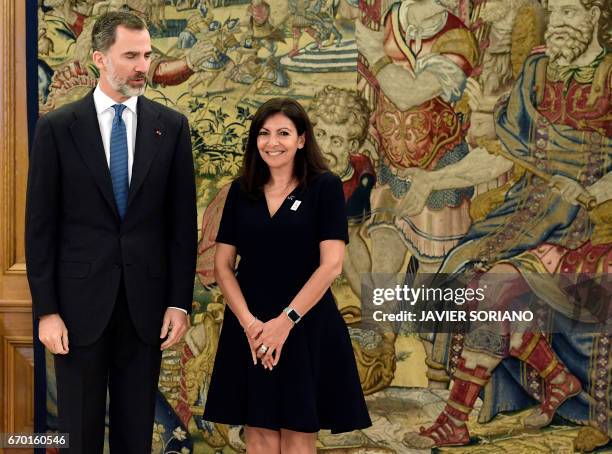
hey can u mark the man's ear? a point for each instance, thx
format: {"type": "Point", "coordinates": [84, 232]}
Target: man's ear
{"type": "Point", "coordinates": [353, 146]}
{"type": "Point", "coordinates": [98, 59]}
{"type": "Point", "coordinates": [595, 14]}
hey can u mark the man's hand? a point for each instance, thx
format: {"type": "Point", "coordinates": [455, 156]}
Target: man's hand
{"type": "Point", "coordinates": [176, 322]}
{"type": "Point", "coordinates": [369, 42]}
{"type": "Point", "coordinates": [421, 185]}
{"type": "Point", "coordinates": [569, 189]}
{"type": "Point", "coordinates": [53, 334]}
{"type": "Point", "coordinates": [602, 189]}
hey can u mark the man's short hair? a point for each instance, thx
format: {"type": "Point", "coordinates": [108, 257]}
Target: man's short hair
{"type": "Point", "coordinates": [104, 30]}
{"type": "Point", "coordinates": [341, 107]}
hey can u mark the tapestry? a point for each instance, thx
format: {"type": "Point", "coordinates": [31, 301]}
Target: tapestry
{"type": "Point", "coordinates": [413, 104]}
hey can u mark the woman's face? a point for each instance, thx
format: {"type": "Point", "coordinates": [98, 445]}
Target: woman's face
{"type": "Point", "coordinates": [278, 142]}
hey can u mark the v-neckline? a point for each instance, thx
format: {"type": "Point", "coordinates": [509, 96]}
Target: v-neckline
{"type": "Point", "coordinates": [271, 215]}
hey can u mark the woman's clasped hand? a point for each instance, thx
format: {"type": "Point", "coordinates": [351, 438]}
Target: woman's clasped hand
{"type": "Point", "coordinates": [266, 340]}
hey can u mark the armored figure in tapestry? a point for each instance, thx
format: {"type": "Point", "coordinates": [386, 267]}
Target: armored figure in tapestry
{"type": "Point", "coordinates": [415, 69]}
{"type": "Point", "coordinates": [415, 60]}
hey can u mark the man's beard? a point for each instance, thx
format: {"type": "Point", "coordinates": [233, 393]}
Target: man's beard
{"type": "Point", "coordinates": [576, 42]}
{"type": "Point", "coordinates": [123, 85]}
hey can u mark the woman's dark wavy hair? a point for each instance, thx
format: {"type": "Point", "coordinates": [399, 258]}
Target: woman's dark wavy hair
{"type": "Point", "coordinates": [308, 161]}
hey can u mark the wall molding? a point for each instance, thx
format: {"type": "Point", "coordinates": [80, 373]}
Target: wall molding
{"type": "Point", "coordinates": [17, 370]}
{"type": "Point", "coordinates": [16, 341]}
{"type": "Point", "coordinates": [7, 117]}
{"type": "Point", "coordinates": [15, 305]}
{"type": "Point", "coordinates": [13, 137]}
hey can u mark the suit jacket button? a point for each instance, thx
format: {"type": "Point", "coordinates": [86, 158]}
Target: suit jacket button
{"type": "Point", "coordinates": [117, 266]}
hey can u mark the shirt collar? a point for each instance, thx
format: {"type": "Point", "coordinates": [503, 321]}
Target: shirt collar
{"type": "Point", "coordinates": [104, 102]}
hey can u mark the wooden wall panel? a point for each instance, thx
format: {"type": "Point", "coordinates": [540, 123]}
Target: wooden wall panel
{"type": "Point", "coordinates": [18, 368]}
{"type": "Point", "coordinates": [16, 353]}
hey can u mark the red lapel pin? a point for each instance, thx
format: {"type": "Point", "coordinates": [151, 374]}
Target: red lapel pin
{"type": "Point", "coordinates": [158, 132]}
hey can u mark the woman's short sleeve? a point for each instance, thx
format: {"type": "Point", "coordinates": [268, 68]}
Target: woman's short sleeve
{"type": "Point", "coordinates": [228, 227]}
{"type": "Point", "coordinates": [331, 212]}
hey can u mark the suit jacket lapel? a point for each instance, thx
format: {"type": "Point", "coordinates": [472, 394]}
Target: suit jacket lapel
{"type": "Point", "coordinates": [150, 133]}
{"type": "Point", "coordinates": [86, 133]}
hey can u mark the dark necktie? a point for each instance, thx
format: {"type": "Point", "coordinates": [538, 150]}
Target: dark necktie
{"type": "Point", "coordinates": [119, 160]}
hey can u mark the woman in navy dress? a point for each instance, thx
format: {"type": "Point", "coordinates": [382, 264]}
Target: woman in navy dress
{"type": "Point", "coordinates": [284, 367]}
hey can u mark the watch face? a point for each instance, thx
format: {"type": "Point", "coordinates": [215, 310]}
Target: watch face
{"type": "Point", "coordinates": [293, 315]}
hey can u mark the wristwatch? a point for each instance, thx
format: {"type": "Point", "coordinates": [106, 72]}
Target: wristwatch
{"type": "Point", "coordinates": [292, 314]}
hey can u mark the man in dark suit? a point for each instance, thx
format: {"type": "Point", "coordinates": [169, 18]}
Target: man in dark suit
{"type": "Point", "coordinates": [111, 242]}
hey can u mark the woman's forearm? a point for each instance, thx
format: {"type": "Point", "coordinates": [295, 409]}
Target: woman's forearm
{"type": "Point", "coordinates": [233, 296]}
{"type": "Point", "coordinates": [315, 287]}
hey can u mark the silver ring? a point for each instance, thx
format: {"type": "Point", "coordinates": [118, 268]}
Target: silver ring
{"type": "Point", "coordinates": [263, 348]}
